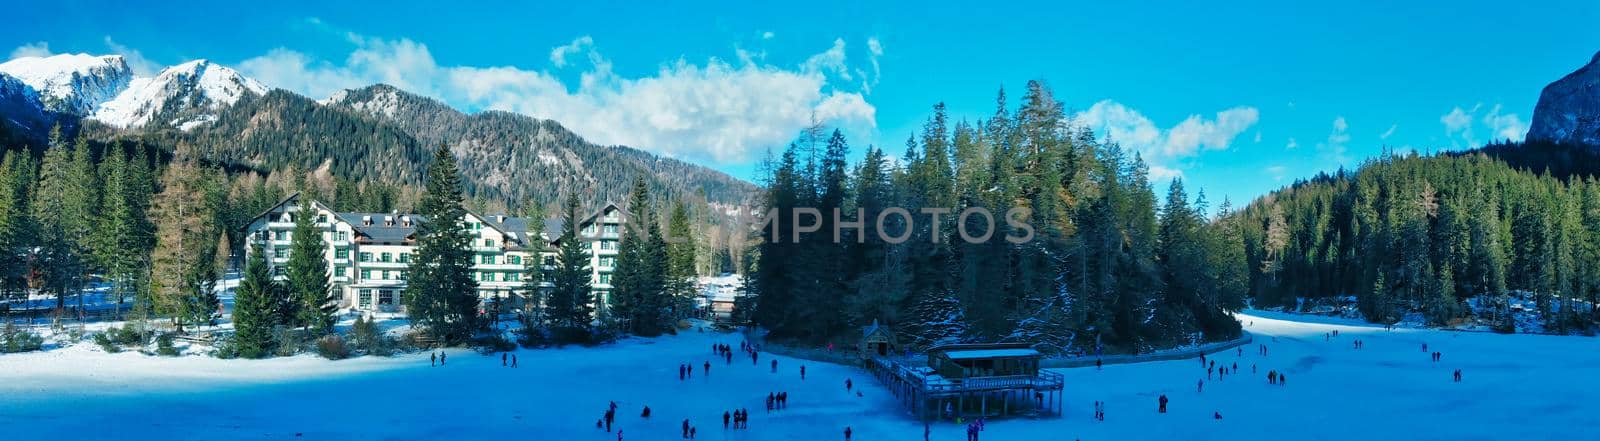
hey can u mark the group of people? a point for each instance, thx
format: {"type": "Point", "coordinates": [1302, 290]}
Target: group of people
{"type": "Point", "coordinates": [1273, 377]}
{"type": "Point", "coordinates": [1359, 344]}
{"type": "Point", "coordinates": [1099, 411]}
{"type": "Point", "coordinates": [724, 352]}
{"type": "Point", "coordinates": [779, 400]}
{"type": "Point", "coordinates": [686, 371]}
{"type": "Point", "coordinates": [503, 360]}
{"type": "Point", "coordinates": [436, 357]}
{"type": "Point", "coordinates": [689, 431]}
{"type": "Point", "coordinates": [973, 428]}
{"type": "Point", "coordinates": [739, 418]}
{"type": "Point", "coordinates": [610, 417]}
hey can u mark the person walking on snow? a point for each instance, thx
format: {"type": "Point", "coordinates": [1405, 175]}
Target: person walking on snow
{"type": "Point", "coordinates": [725, 418]}
{"type": "Point", "coordinates": [707, 370]}
{"type": "Point", "coordinates": [1163, 401]}
{"type": "Point", "coordinates": [1200, 387]}
{"type": "Point", "coordinates": [848, 385]}
{"type": "Point", "coordinates": [774, 365]}
{"type": "Point", "coordinates": [680, 372]}
{"type": "Point", "coordinates": [503, 359]}
{"type": "Point", "coordinates": [442, 355]}
{"type": "Point", "coordinates": [513, 360]}
{"type": "Point", "coordinates": [685, 428]}
{"type": "Point", "coordinates": [802, 372]}
{"type": "Point", "coordinates": [433, 359]}
{"type": "Point", "coordinates": [846, 433]}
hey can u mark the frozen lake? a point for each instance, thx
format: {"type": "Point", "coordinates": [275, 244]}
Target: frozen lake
{"type": "Point", "coordinates": [1514, 386]}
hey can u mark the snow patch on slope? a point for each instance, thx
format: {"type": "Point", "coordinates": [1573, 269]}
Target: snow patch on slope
{"type": "Point", "coordinates": [72, 83]}
{"type": "Point", "coordinates": [195, 85]}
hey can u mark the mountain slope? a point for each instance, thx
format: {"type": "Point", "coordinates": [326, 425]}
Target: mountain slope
{"type": "Point", "coordinates": [518, 158]}
{"type": "Point", "coordinates": [281, 129]}
{"type": "Point", "coordinates": [373, 133]}
{"type": "Point", "coordinates": [184, 95]}
{"type": "Point", "coordinates": [72, 83]}
{"type": "Point", "coordinates": [1569, 109]}
{"type": "Point", "coordinates": [20, 109]}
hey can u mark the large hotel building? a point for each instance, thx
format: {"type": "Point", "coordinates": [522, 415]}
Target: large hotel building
{"type": "Point", "coordinates": [368, 253]}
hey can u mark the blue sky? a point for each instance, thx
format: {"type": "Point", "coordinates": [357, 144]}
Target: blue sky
{"type": "Point", "coordinates": [1238, 98]}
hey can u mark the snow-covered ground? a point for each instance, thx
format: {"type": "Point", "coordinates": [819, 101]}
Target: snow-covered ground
{"type": "Point", "coordinates": [1515, 387]}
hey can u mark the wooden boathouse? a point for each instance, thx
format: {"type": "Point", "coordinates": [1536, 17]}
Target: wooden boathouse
{"type": "Point", "coordinates": [973, 380]}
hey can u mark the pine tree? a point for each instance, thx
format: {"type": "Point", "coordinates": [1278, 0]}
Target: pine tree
{"type": "Point", "coordinates": [118, 247]}
{"type": "Point", "coordinates": [630, 281]}
{"type": "Point", "coordinates": [570, 305]}
{"type": "Point", "coordinates": [255, 308]}
{"type": "Point", "coordinates": [16, 224]}
{"type": "Point", "coordinates": [681, 252]}
{"type": "Point", "coordinates": [441, 294]}
{"type": "Point", "coordinates": [63, 206]}
{"type": "Point", "coordinates": [307, 272]}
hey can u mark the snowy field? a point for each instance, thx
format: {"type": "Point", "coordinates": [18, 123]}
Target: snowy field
{"type": "Point", "coordinates": [1514, 387]}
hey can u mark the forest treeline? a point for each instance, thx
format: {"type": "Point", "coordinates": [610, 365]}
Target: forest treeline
{"type": "Point", "coordinates": [1421, 236]}
{"type": "Point", "coordinates": [1106, 269]}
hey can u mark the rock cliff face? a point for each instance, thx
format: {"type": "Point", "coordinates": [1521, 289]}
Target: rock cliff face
{"type": "Point", "coordinates": [1569, 109]}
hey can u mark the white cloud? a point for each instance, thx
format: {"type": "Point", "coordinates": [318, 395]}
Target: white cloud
{"type": "Point", "coordinates": [767, 35]}
{"type": "Point", "coordinates": [1277, 172]}
{"type": "Point", "coordinates": [1292, 144]}
{"type": "Point", "coordinates": [1164, 150]}
{"type": "Point", "coordinates": [135, 59]}
{"type": "Point", "coordinates": [558, 56]}
{"type": "Point", "coordinates": [874, 50]}
{"type": "Point", "coordinates": [1387, 133]}
{"type": "Point", "coordinates": [1459, 125]}
{"type": "Point", "coordinates": [34, 49]}
{"type": "Point", "coordinates": [1507, 126]}
{"type": "Point", "coordinates": [712, 110]}
{"type": "Point", "coordinates": [1334, 149]}
{"type": "Point", "coordinates": [830, 61]}
{"type": "Point", "coordinates": [1457, 120]}
{"type": "Point", "coordinates": [1258, 137]}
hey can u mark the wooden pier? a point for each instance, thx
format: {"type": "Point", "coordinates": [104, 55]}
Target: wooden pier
{"type": "Point", "coordinates": [970, 381]}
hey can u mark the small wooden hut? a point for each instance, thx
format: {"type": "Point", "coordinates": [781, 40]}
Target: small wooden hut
{"type": "Point", "coordinates": [876, 341]}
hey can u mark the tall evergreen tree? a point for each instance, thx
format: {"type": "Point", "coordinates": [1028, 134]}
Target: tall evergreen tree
{"type": "Point", "coordinates": [255, 308]}
{"type": "Point", "coordinates": [570, 306]}
{"type": "Point", "coordinates": [16, 224]}
{"type": "Point", "coordinates": [307, 272]}
{"type": "Point", "coordinates": [62, 207]}
{"type": "Point", "coordinates": [440, 293]}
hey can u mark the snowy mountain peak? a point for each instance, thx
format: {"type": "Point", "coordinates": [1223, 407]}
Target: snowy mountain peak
{"type": "Point", "coordinates": [186, 94]}
{"type": "Point", "coordinates": [72, 83]}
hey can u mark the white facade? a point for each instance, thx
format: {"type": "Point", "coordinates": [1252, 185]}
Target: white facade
{"type": "Point", "coordinates": [369, 254]}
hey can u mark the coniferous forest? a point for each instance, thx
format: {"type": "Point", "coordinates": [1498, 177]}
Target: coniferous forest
{"type": "Point", "coordinates": [1108, 268]}
{"type": "Point", "coordinates": [1417, 238]}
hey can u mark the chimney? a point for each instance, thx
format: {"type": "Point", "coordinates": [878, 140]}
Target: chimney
{"type": "Point", "coordinates": [500, 218]}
